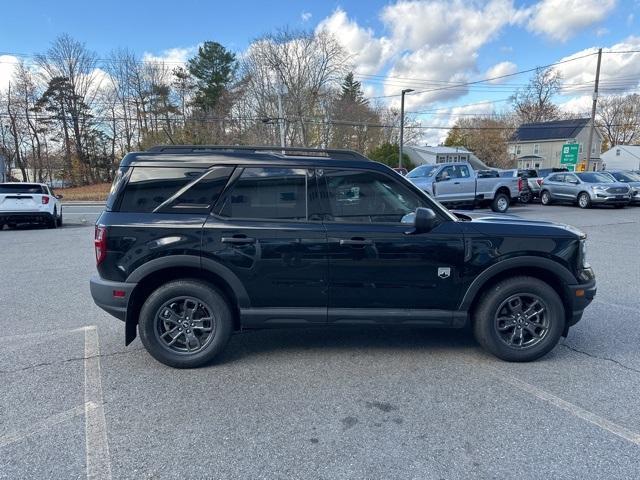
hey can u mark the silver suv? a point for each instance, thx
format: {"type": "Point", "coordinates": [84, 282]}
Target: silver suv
{"type": "Point", "coordinates": [585, 189]}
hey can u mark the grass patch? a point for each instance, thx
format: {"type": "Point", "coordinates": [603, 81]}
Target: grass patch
{"type": "Point", "coordinates": [87, 193]}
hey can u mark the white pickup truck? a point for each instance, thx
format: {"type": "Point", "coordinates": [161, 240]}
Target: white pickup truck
{"type": "Point", "coordinates": [29, 203]}
{"type": "Point", "coordinates": [458, 184]}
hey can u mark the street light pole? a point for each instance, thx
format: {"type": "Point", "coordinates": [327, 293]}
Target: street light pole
{"type": "Point", "coordinates": [407, 90]}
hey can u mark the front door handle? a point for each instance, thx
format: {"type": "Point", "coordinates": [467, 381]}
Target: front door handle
{"type": "Point", "coordinates": [238, 240]}
{"type": "Point", "coordinates": [356, 242]}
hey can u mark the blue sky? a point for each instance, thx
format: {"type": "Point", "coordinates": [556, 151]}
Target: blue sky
{"type": "Point", "coordinates": [394, 45]}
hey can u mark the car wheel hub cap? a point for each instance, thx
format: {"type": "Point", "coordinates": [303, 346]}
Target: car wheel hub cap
{"type": "Point", "coordinates": [522, 321]}
{"type": "Point", "coordinates": [185, 325]}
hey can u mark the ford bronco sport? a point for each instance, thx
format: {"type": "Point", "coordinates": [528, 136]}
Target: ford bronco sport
{"type": "Point", "coordinates": [198, 242]}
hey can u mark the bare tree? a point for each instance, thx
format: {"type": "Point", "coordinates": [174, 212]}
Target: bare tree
{"type": "Point", "coordinates": [70, 60]}
{"type": "Point", "coordinates": [618, 117]}
{"type": "Point", "coordinates": [535, 102]}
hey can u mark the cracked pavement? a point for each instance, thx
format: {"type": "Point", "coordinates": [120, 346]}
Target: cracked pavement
{"type": "Point", "coordinates": [373, 403]}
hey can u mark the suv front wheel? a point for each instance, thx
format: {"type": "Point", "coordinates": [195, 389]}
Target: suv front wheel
{"type": "Point", "coordinates": [185, 323]}
{"type": "Point", "coordinates": [519, 319]}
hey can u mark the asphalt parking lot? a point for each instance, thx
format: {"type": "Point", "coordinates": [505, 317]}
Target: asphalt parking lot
{"type": "Point", "coordinates": [376, 403]}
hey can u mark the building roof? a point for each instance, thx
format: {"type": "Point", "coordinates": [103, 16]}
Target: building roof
{"type": "Point", "coordinates": [421, 154]}
{"type": "Point", "coordinates": [555, 130]}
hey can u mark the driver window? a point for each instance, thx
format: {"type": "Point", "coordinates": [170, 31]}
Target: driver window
{"type": "Point", "coordinates": [448, 173]}
{"type": "Point", "coordinates": [367, 197]}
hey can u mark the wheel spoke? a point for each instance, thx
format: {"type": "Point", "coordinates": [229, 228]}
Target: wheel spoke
{"type": "Point", "coordinates": [515, 305]}
{"type": "Point", "coordinates": [173, 340]}
{"type": "Point", "coordinates": [169, 332]}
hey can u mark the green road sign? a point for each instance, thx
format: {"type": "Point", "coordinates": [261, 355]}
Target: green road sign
{"type": "Point", "coordinates": [570, 153]}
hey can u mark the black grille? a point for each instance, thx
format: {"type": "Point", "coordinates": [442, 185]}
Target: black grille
{"type": "Point", "coordinates": [618, 190]}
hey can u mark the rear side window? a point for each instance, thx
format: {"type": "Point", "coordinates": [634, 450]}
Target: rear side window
{"type": "Point", "coordinates": [269, 194]}
{"type": "Point", "coordinates": [200, 196]}
{"type": "Point", "coordinates": [23, 188]}
{"type": "Point", "coordinates": [150, 187]}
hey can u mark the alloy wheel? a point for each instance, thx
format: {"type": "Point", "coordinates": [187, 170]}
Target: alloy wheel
{"type": "Point", "coordinates": [522, 320]}
{"type": "Point", "coordinates": [185, 325]}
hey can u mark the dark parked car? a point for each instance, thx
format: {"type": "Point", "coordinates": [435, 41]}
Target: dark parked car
{"type": "Point", "coordinates": [196, 243]}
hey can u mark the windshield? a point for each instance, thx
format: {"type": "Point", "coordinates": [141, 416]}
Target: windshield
{"type": "Point", "coordinates": [595, 177]}
{"type": "Point", "coordinates": [423, 171]}
{"type": "Point", "coordinates": [20, 188]}
{"type": "Point", "coordinates": [625, 176]}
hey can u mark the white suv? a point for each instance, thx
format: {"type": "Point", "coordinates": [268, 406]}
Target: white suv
{"type": "Point", "coordinates": [29, 203]}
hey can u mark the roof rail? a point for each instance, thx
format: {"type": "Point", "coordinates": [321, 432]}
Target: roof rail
{"type": "Point", "coordinates": [292, 151]}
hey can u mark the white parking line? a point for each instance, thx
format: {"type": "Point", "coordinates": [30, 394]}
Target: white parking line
{"type": "Point", "coordinates": [97, 446]}
{"type": "Point", "coordinates": [574, 410]}
{"type": "Point", "coordinates": [42, 334]}
{"type": "Point", "coordinates": [48, 422]}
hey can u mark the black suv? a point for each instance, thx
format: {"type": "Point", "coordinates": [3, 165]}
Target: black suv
{"type": "Point", "coordinates": [197, 242]}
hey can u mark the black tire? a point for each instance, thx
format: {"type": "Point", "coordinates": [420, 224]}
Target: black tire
{"type": "Point", "coordinates": [545, 197]}
{"type": "Point", "coordinates": [492, 332]}
{"type": "Point", "coordinates": [526, 197]}
{"type": "Point", "coordinates": [60, 220]}
{"type": "Point", "coordinates": [584, 200]}
{"type": "Point", "coordinates": [152, 327]}
{"type": "Point", "coordinates": [500, 203]}
{"type": "Point", "coordinates": [53, 221]}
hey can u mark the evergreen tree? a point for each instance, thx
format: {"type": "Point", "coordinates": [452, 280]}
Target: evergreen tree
{"type": "Point", "coordinates": [213, 69]}
{"type": "Point", "coordinates": [351, 90]}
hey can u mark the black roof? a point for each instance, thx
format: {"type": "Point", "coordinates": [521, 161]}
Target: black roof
{"type": "Point", "coordinates": [557, 129]}
{"type": "Point", "coordinates": [208, 155]}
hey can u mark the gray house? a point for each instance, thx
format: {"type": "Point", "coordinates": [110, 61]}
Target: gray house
{"type": "Point", "coordinates": [539, 145]}
{"type": "Point", "coordinates": [421, 155]}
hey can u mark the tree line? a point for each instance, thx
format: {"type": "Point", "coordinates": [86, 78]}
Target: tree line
{"type": "Point", "coordinates": [71, 115]}
{"type": "Point", "coordinates": [68, 114]}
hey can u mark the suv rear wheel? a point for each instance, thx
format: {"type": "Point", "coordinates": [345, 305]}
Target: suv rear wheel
{"type": "Point", "coordinates": [545, 197]}
{"type": "Point", "coordinates": [185, 323]}
{"type": "Point", "coordinates": [519, 319]}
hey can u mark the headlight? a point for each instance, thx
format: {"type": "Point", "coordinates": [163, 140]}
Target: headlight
{"type": "Point", "coordinates": [582, 254]}
{"type": "Point", "coordinates": [598, 187]}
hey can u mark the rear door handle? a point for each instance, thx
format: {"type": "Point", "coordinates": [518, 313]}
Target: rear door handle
{"type": "Point", "coordinates": [238, 240]}
{"type": "Point", "coordinates": [356, 242]}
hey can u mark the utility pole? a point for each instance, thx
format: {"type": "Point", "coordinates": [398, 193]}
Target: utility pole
{"type": "Point", "coordinates": [593, 109]}
{"type": "Point", "coordinates": [280, 115]}
{"type": "Point", "coordinates": [407, 90]}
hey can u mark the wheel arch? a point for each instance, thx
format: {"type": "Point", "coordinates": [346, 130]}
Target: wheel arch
{"type": "Point", "coordinates": [541, 268]}
{"type": "Point", "coordinates": [159, 271]}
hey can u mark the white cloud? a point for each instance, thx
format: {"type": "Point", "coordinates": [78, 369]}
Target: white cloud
{"type": "Point", "coordinates": [619, 72]}
{"type": "Point", "coordinates": [561, 19]}
{"type": "Point", "coordinates": [305, 16]}
{"type": "Point", "coordinates": [601, 32]}
{"type": "Point", "coordinates": [438, 42]}
{"type": "Point", "coordinates": [8, 65]}
{"type": "Point", "coordinates": [367, 52]}
{"type": "Point", "coordinates": [579, 106]}
{"type": "Point", "coordinates": [171, 56]}
{"type": "Point", "coordinates": [500, 70]}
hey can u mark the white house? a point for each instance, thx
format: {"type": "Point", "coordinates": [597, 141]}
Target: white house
{"type": "Point", "coordinates": [622, 157]}
{"type": "Point", "coordinates": [427, 154]}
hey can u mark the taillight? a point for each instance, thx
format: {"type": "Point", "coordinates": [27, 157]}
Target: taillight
{"type": "Point", "coordinates": [45, 199]}
{"type": "Point", "coordinates": [100, 243]}
{"type": "Point", "coordinates": [519, 184]}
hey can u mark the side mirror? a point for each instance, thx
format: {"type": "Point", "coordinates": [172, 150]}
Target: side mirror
{"type": "Point", "coordinates": [441, 178]}
{"type": "Point", "coordinates": [425, 220]}
{"type": "Point", "coordinates": [59, 197]}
